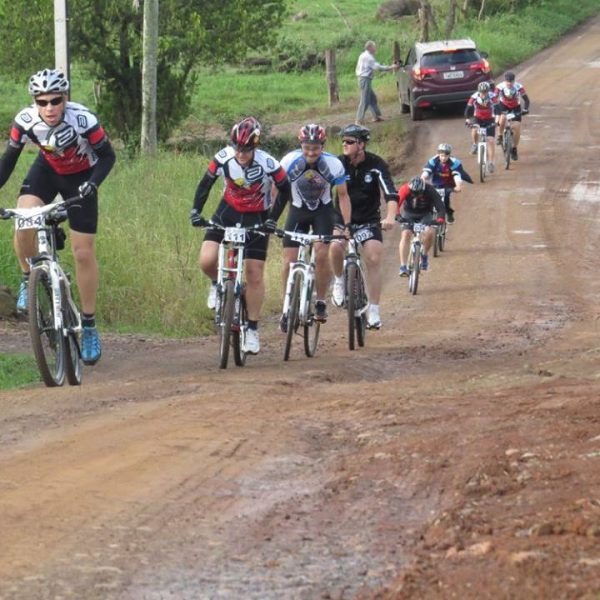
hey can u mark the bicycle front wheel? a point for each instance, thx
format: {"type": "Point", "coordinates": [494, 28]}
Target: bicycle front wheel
{"type": "Point", "coordinates": [352, 302]}
{"type": "Point", "coordinates": [482, 164]}
{"type": "Point", "coordinates": [441, 237]}
{"type": "Point", "coordinates": [225, 321]}
{"type": "Point", "coordinates": [507, 147]}
{"type": "Point", "coordinates": [312, 327]}
{"type": "Point", "coordinates": [73, 362]}
{"type": "Point", "coordinates": [240, 324]}
{"type": "Point", "coordinates": [293, 315]}
{"type": "Point", "coordinates": [48, 342]}
{"type": "Point", "coordinates": [360, 320]}
{"type": "Point", "coordinates": [415, 269]}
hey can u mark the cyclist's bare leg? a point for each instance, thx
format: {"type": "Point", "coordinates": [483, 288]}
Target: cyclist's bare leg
{"type": "Point", "coordinates": [491, 148]}
{"type": "Point", "coordinates": [83, 246]}
{"type": "Point", "coordinates": [24, 241]}
{"type": "Point", "coordinates": [209, 259]}
{"type": "Point", "coordinates": [501, 124]}
{"type": "Point", "coordinates": [373, 256]}
{"type": "Point", "coordinates": [255, 287]}
{"type": "Point", "coordinates": [322, 270]}
{"type": "Point", "coordinates": [337, 249]}
{"type": "Point", "coordinates": [290, 255]}
{"type": "Point", "coordinates": [404, 247]}
{"type": "Point", "coordinates": [516, 126]}
{"type": "Point", "coordinates": [428, 237]}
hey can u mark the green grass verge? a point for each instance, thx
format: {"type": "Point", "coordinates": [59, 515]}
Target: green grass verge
{"type": "Point", "coordinates": [17, 370]}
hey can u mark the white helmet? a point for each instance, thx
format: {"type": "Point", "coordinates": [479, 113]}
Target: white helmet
{"type": "Point", "coordinates": [48, 81]}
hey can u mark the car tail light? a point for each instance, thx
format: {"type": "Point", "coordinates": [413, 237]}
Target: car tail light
{"type": "Point", "coordinates": [483, 66]}
{"type": "Point", "coordinates": [420, 73]}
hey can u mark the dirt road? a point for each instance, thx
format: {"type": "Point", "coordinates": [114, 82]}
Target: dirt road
{"type": "Point", "coordinates": [456, 456]}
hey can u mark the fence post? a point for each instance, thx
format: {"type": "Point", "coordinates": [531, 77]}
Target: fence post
{"type": "Point", "coordinates": [331, 74]}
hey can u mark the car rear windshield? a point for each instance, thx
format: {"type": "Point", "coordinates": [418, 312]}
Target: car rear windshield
{"type": "Point", "coordinates": [443, 59]}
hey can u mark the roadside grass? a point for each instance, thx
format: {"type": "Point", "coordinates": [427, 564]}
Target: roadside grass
{"type": "Point", "coordinates": [17, 370]}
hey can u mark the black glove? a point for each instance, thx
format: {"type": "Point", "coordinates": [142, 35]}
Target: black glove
{"type": "Point", "coordinates": [196, 218]}
{"type": "Point", "coordinates": [270, 226]}
{"type": "Point", "coordinates": [88, 190]}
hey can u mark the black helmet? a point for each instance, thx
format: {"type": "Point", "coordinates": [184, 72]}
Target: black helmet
{"type": "Point", "coordinates": [356, 131]}
{"type": "Point", "coordinates": [416, 184]}
{"type": "Point", "coordinates": [509, 76]}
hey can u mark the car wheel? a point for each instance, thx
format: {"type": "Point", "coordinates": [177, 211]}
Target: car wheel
{"type": "Point", "coordinates": [416, 113]}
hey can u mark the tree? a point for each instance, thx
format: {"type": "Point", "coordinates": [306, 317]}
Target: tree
{"type": "Point", "coordinates": [106, 37]}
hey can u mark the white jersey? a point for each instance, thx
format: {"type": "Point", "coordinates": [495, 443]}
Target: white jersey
{"type": "Point", "coordinates": [311, 184]}
{"type": "Point", "coordinates": [69, 146]}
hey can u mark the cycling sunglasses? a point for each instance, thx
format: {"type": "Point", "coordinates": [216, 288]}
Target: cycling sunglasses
{"type": "Point", "coordinates": [349, 142]}
{"type": "Point", "coordinates": [54, 101]}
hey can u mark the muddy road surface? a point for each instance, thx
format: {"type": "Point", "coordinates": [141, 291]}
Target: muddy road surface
{"type": "Point", "coordinates": [457, 455]}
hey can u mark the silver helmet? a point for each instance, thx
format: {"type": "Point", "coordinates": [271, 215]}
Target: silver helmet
{"type": "Point", "coordinates": [48, 81]}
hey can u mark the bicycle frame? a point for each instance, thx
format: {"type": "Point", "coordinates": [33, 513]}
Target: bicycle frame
{"type": "Point", "coordinates": [304, 264]}
{"type": "Point", "coordinates": [353, 257]}
{"type": "Point", "coordinates": [231, 263]}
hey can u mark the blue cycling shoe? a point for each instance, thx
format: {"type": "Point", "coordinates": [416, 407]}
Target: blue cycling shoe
{"type": "Point", "coordinates": [23, 296]}
{"type": "Point", "coordinates": [424, 262]}
{"type": "Point", "coordinates": [91, 349]}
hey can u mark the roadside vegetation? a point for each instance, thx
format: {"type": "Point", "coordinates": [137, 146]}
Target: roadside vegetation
{"type": "Point", "coordinates": [147, 249]}
{"type": "Point", "coordinates": [17, 370]}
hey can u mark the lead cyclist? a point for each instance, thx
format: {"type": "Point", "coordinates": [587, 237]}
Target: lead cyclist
{"type": "Point", "coordinates": [367, 179]}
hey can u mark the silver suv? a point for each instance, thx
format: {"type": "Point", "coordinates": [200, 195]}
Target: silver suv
{"type": "Point", "coordinates": [443, 72]}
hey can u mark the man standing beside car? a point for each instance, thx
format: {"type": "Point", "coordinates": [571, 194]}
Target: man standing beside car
{"type": "Point", "coordinates": [365, 69]}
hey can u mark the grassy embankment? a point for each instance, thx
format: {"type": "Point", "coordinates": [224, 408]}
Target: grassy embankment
{"type": "Point", "coordinates": [147, 250]}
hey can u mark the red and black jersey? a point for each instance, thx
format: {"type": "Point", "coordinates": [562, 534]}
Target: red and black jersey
{"type": "Point", "coordinates": [248, 187]}
{"type": "Point", "coordinates": [420, 202]}
{"type": "Point", "coordinates": [481, 107]}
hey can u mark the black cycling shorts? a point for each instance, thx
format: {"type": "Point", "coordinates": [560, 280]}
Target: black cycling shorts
{"type": "Point", "coordinates": [373, 227]}
{"type": "Point", "coordinates": [414, 217]}
{"type": "Point", "coordinates": [256, 244]}
{"type": "Point", "coordinates": [505, 109]}
{"type": "Point", "coordinates": [301, 219]}
{"type": "Point", "coordinates": [42, 181]}
{"type": "Point", "coordinates": [490, 126]}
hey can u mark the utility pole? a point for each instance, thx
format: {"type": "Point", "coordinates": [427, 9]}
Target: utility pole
{"type": "Point", "coordinates": [61, 37]}
{"type": "Point", "coordinates": [149, 68]}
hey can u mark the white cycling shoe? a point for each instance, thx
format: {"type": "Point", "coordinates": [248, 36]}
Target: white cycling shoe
{"type": "Point", "coordinates": [337, 293]}
{"type": "Point", "coordinates": [251, 342]}
{"type": "Point", "coordinates": [373, 318]}
{"type": "Point", "coordinates": [211, 301]}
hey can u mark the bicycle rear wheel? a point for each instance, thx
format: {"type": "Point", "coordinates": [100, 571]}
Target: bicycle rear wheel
{"type": "Point", "coordinates": [225, 320]}
{"type": "Point", "coordinates": [312, 327]}
{"type": "Point", "coordinates": [482, 164]}
{"type": "Point", "coordinates": [362, 301]}
{"type": "Point", "coordinates": [73, 362]}
{"type": "Point", "coordinates": [292, 317]}
{"type": "Point", "coordinates": [415, 269]}
{"type": "Point", "coordinates": [507, 146]}
{"type": "Point", "coordinates": [48, 343]}
{"type": "Point", "coordinates": [441, 237]}
{"type": "Point", "coordinates": [239, 327]}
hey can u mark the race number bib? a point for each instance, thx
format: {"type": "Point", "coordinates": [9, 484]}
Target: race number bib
{"type": "Point", "coordinates": [237, 235]}
{"type": "Point", "coordinates": [33, 222]}
{"type": "Point", "coordinates": [363, 234]}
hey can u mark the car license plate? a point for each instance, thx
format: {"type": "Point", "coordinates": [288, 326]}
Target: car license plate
{"type": "Point", "coordinates": [454, 74]}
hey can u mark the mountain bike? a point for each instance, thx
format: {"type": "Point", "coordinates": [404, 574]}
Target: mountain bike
{"type": "Point", "coordinates": [482, 160]}
{"type": "Point", "coordinates": [416, 252]}
{"type": "Point", "coordinates": [54, 319]}
{"type": "Point", "coordinates": [231, 313]}
{"type": "Point", "coordinates": [507, 139]}
{"type": "Point", "coordinates": [356, 299]}
{"type": "Point", "coordinates": [439, 242]}
{"type": "Point", "coordinates": [299, 301]}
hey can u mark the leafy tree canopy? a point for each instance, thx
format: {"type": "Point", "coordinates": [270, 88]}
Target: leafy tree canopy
{"type": "Point", "coordinates": [106, 36]}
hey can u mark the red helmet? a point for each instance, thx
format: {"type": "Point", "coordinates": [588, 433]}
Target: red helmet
{"type": "Point", "coordinates": [245, 135]}
{"type": "Point", "coordinates": [312, 134]}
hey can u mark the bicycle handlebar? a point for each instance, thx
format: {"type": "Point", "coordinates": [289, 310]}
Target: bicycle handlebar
{"type": "Point", "coordinates": [307, 238]}
{"type": "Point", "coordinates": [210, 224]}
{"type": "Point", "coordinates": [47, 209]}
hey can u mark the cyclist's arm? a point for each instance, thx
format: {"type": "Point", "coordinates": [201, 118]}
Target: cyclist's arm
{"type": "Point", "coordinates": [437, 201]}
{"type": "Point", "coordinates": [344, 202]}
{"type": "Point", "coordinates": [525, 101]}
{"type": "Point", "coordinates": [457, 182]}
{"type": "Point", "coordinates": [283, 197]}
{"type": "Point", "coordinates": [203, 189]}
{"type": "Point", "coordinates": [8, 161]}
{"type": "Point", "coordinates": [469, 109]}
{"type": "Point", "coordinates": [106, 160]}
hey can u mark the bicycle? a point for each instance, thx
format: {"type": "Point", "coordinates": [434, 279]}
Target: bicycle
{"type": "Point", "coordinates": [439, 243]}
{"type": "Point", "coordinates": [231, 313]}
{"type": "Point", "coordinates": [299, 301]}
{"type": "Point", "coordinates": [482, 160]}
{"type": "Point", "coordinates": [416, 253]}
{"type": "Point", "coordinates": [507, 139]}
{"type": "Point", "coordinates": [356, 299]}
{"type": "Point", "coordinates": [54, 319]}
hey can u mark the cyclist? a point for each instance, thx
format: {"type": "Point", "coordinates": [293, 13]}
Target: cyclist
{"type": "Point", "coordinates": [367, 178]}
{"type": "Point", "coordinates": [417, 203]}
{"type": "Point", "coordinates": [480, 110]}
{"type": "Point", "coordinates": [312, 173]}
{"type": "Point", "coordinates": [249, 174]}
{"type": "Point", "coordinates": [446, 171]}
{"type": "Point", "coordinates": [74, 158]}
{"type": "Point", "coordinates": [509, 94]}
